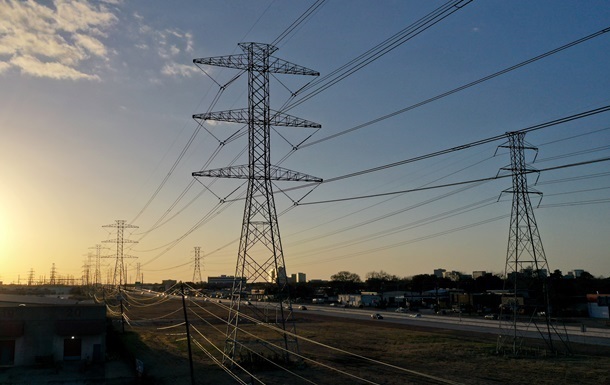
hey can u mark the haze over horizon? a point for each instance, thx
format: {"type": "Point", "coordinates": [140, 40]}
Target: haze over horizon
{"type": "Point", "coordinates": [97, 98]}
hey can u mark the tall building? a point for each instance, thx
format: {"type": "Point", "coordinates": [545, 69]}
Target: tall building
{"type": "Point", "coordinates": [278, 275]}
{"type": "Point", "coordinates": [439, 273]}
{"type": "Point", "coordinates": [301, 278]}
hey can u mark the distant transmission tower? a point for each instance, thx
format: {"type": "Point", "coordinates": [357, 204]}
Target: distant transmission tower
{"type": "Point", "coordinates": [86, 281]}
{"type": "Point", "coordinates": [525, 257]}
{"type": "Point", "coordinates": [120, 273]}
{"type": "Point", "coordinates": [97, 276]}
{"type": "Point", "coordinates": [31, 277]}
{"type": "Point", "coordinates": [197, 268]}
{"type": "Point", "coordinates": [260, 246]}
{"type": "Point", "coordinates": [53, 278]}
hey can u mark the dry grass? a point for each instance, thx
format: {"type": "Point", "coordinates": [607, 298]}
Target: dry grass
{"type": "Point", "coordinates": [467, 358]}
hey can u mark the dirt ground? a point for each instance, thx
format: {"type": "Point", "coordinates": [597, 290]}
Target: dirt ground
{"type": "Point", "coordinates": [405, 354]}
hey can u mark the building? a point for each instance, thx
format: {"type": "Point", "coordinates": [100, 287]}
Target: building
{"type": "Point", "coordinates": [578, 272]}
{"type": "Point", "coordinates": [360, 300]}
{"type": "Point", "coordinates": [598, 305]}
{"type": "Point", "coordinates": [297, 278]}
{"type": "Point", "coordinates": [452, 275]}
{"type": "Point", "coordinates": [223, 281]}
{"type": "Point", "coordinates": [168, 284]}
{"type": "Point", "coordinates": [478, 273]}
{"type": "Point", "coordinates": [278, 275]}
{"type": "Point", "coordinates": [34, 330]}
{"type": "Point", "coordinates": [439, 273]}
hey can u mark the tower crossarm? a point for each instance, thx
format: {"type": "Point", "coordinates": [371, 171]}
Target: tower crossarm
{"type": "Point", "coordinates": [242, 172]}
{"type": "Point", "coordinates": [241, 61]}
{"type": "Point", "coordinates": [241, 116]}
{"type": "Point", "coordinates": [114, 256]}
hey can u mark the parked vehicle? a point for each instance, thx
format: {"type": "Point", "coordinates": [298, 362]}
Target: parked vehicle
{"type": "Point", "coordinates": [416, 315]}
{"type": "Point", "coordinates": [302, 307]}
{"type": "Point", "coordinates": [491, 316]}
{"type": "Point", "coordinates": [401, 310]}
{"type": "Point", "coordinates": [376, 316]}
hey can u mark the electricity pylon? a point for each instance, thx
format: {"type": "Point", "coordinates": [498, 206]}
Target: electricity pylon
{"type": "Point", "coordinates": [525, 257]}
{"type": "Point", "coordinates": [97, 277]}
{"type": "Point", "coordinates": [260, 246]}
{"type": "Point", "coordinates": [120, 275]}
{"type": "Point", "coordinates": [197, 268]}
{"type": "Point", "coordinates": [53, 278]}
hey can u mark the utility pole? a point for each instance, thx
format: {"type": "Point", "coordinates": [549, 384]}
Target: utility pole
{"type": "Point", "coordinates": [197, 269]}
{"type": "Point", "coordinates": [260, 246]}
{"type": "Point", "coordinates": [188, 334]}
{"type": "Point", "coordinates": [120, 275]}
{"type": "Point", "coordinates": [525, 252]}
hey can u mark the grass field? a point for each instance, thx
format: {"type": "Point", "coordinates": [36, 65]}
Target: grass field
{"type": "Point", "coordinates": [405, 354]}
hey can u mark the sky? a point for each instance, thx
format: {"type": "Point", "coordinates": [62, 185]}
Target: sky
{"type": "Point", "coordinates": [96, 105]}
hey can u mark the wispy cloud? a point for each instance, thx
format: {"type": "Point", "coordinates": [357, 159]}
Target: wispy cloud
{"type": "Point", "coordinates": [173, 46]}
{"type": "Point", "coordinates": [53, 41]}
{"type": "Point", "coordinates": [175, 69]}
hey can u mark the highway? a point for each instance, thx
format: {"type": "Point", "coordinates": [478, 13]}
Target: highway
{"type": "Point", "coordinates": [571, 333]}
{"type": "Point", "coordinates": [591, 336]}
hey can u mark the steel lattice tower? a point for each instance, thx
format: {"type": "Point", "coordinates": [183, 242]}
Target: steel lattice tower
{"type": "Point", "coordinates": [525, 252]}
{"type": "Point", "coordinates": [260, 247]}
{"type": "Point", "coordinates": [98, 272]}
{"type": "Point", "coordinates": [120, 276]}
{"type": "Point", "coordinates": [197, 269]}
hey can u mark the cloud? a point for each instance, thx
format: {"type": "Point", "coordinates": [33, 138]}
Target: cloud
{"type": "Point", "coordinates": [32, 66]}
{"type": "Point", "coordinates": [53, 41]}
{"type": "Point", "coordinates": [175, 69]}
{"type": "Point", "coordinates": [4, 67]}
{"type": "Point", "coordinates": [171, 45]}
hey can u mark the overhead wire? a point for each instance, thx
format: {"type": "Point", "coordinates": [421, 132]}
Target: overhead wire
{"type": "Point", "coordinates": [336, 349]}
{"type": "Point", "coordinates": [458, 89]}
{"type": "Point", "coordinates": [298, 355]}
{"type": "Point", "coordinates": [379, 50]}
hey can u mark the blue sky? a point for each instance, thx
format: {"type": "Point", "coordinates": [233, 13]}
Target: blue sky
{"type": "Point", "coordinates": [96, 100]}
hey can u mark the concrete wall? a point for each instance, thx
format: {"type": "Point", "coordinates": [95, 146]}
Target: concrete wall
{"type": "Point", "coordinates": [45, 329]}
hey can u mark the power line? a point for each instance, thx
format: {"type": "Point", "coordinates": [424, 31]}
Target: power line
{"type": "Point", "coordinates": [379, 50]}
{"type": "Point", "coordinates": [461, 88]}
{"type": "Point", "coordinates": [301, 19]}
{"type": "Point", "coordinates": [454, 184]}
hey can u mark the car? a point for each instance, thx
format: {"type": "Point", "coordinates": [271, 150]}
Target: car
{"type": "Point", "coordinates": [333, 304]}
{"type": "Point", "coordinates": [416, 315]}
{"type": "Point", "coordinates": [302, 307]}
{"type": "Point", "coordinates": [491, 316]}
{"type": "Point", "coordinates": [401, 310]}
{"type": "Point", "coordinates": [376, 316]}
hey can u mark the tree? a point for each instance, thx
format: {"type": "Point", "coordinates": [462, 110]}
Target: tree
{"type": "Point", "coordinates": [346, 282]}
{"type": "Point", "coordinates": [345, 276]}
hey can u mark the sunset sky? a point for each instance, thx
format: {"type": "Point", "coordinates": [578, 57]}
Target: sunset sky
{"type": "Point", "coordinates": [96, 105]}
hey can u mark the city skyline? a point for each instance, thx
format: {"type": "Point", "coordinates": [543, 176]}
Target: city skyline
{"type": "Point", "coordinates": [96, 100]}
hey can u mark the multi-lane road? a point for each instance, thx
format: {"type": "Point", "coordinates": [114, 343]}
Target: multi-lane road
{"type": "Point", "coordinates": [573, 333]}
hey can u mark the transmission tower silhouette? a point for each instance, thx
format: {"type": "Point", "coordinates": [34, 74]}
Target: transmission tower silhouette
{"type": "Point", "coordinates": [53, 277]}
{"type": "Point", "coordinates": [526, 269]}
{"type": "Point", "coordinates": [197, 267]}
{"type": "Point", "coordinates": [120, 275]}
{"type": "Point", "coordinates": [97, 277]}
{"type": "Point", "coordinates": [260, 246]}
